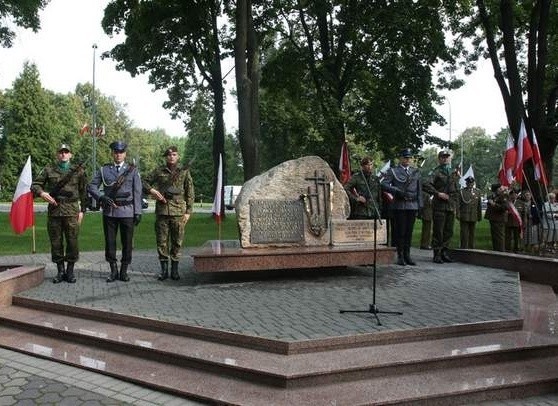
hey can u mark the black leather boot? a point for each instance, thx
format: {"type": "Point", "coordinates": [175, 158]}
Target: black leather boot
{"type": "Point", "coordinates": [70, 277]}
{"type": "Point", "coordinates": [174, 271]}
{"type": "Point", "coordinates": [400, 260]}
{"type": "Point", "coordinates": [113, 272]}
{"type": "Point", "coordinates": [164, 271]}
{"type": "Point", "coordinates": [445, 255]}
{"type": "Point", "coordinates": [124, 273]}
{"type": "Point", "coordinates": [407, 256]}
{"type": "Point", "coordinates": [438, 257]}
{"type": "Point", "coordinates": [61, 275]}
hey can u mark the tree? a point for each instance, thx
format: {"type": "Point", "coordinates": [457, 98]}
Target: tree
{"type": "Point", "coordinates": [519, 38]}
{"type": "Point", "coordinates": [247, 68]}
{"type": "Point", "coordinates": [178, 43]}
{"type": "Point", "coordinates": [22, 13]}
{"type": "Point", "coordinates": [368, 67]}
{"type": "Point", "coordinates": [29, 126]}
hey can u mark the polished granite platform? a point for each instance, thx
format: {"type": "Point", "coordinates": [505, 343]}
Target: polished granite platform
{"type": "Point", "coordinates": [467, 333]}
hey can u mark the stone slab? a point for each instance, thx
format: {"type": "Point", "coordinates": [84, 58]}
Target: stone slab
{"type": "Point", "coordinates": [18, 278]}
{"type": "Point", "coordinates": [349, 232]}
{"type": "Point", "coordinates": [220, 256]}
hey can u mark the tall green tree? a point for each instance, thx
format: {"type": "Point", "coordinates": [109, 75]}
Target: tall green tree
{"type": "Point", "coordinates": [367, 65]}
{"type": "Point", "coordinates": [519, 39]}
{"type": "Point", "coordinates": [178, 43]}
{"type": "Point", "coordinates": [29, 128]}
{"type": "Point", "coordinates": [21, 13]}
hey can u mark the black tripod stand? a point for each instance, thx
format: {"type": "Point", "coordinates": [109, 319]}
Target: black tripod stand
{"type": "Point", "coordinates": [373, 308]}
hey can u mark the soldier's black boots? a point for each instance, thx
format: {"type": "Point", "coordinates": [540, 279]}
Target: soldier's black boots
{"type": "Point", "coordinates": [400, 259]}
{"type": "Point", "coordinates": [61, 275]}
{"type": "Point", "coordinates": [70, 278]}
{"type": "Point", "coordinates": [174, 271]}
{"type": "Point", "coordinates": [407, 256]}
{"type": "Point", "coordinates": [438, 257]}
{"type": "Point", "coordinates": [113, 272]}
{"type": "Point", "coordinates": [164, 270]}
{"type": "Point", "coordinates": [124, 273]}
{"type": "Point", "coordinates": [445, 255]}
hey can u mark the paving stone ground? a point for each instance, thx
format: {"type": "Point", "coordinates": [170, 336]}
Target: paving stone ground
{"type": "Point", "coordinates": [286, 305]}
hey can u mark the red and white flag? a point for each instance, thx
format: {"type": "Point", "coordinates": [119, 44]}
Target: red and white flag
{"type": "Point", "coordinates": [22, 215]}
{"type": "Point", "coordinates": [505, 174]}
{"type": "Point", "coordinates": [84, 129]}
{"type": "Point", "coordinates": [344, 164]}
{"type": "Point", "coordinates": [516, 216]}
{"type": "Point", "coordinates": [538, 165]}
{"type": "Point", "coordinates": [524, 152]}
{"type": "Point", "coordinates": [218, 207]}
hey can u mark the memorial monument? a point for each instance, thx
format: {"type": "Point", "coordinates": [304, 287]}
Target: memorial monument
{"type": "Point", "coordinates": [294, 216]}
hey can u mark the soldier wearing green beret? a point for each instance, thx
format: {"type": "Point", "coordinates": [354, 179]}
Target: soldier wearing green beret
{"type": "Point", "coordinates": [172, 187]}
{"type": "Point", "coordinates": [443, 186]}
{"type": "Point", "coordinates": [364, 191]}
{"type": "Point", "coordinates": [63, 186]}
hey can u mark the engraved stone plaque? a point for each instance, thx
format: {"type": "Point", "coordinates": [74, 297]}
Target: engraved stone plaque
{"type": "Point", "coordinates": [345, 232]}
{"type": "Point", "coordinates": [276, 221]}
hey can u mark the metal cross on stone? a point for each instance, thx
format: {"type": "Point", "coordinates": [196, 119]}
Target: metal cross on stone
{"type": "Point", "coordinates": [319, 222]}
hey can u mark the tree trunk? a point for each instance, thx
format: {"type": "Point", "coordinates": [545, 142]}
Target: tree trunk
{"type": "Point", "coordinates": [246, 89]}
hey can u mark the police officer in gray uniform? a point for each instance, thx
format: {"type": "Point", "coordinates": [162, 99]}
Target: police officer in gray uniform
{"type": "Point", "coordinates": [403, 182]}
{"type": "Point", "coordinates": [118, 189]}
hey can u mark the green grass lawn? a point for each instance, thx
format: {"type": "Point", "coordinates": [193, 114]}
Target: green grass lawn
{"type": "Point", "coordinates": [199, 229]}
{"type": "Point", "coordinates": [482, 235]}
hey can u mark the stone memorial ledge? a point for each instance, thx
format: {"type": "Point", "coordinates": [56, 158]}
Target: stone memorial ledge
{"type": "Point", "coordinates": [227, 256]}
{"type": "Point", "coordinates": [17, 278]}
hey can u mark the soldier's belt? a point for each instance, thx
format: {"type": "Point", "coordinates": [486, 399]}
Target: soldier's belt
{"type": "Point", "coordinates": [123, 202]}
{"type": "Point", "coordinates": [62, 199]}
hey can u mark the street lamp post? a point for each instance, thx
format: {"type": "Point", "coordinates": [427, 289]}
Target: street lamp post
{"type": "Point", "coordinates": [94, 114]}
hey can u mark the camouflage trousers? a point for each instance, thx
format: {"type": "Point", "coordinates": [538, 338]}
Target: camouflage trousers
{"type": "Point", "coordinates": [169, 232]}
{"type": "Point", "coordinates": [60, 229]}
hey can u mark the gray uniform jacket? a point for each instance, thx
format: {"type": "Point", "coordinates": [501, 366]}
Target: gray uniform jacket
{"type": "Point", "coordinates": [405, 187]}
{"type": "Point", "coordinates": [127, 197]}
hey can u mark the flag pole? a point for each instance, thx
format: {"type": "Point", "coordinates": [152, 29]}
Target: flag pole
{"type": "Point", "coordinates": [33, 238]}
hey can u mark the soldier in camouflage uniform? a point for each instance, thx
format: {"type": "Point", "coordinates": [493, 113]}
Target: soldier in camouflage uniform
{"type": "Point", "coordinates": [497, 214]}
{"type": "Point", "coordinates": [469, 213]}
{"type": "Point", "coordinates": [171, 185]}
{"type": "Point", "coordinates": [63, 186]}
{"type": "Point", "coordinates": [444, 186]}
{"type": "Point", "coordinates": [364, 191]}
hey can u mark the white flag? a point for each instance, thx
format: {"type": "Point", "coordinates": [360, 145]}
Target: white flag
{"type": "Point", "coordinates": [217, 208]}
{"type": "Point", "coordinates": [468, 174]}
{"type": "Point", "coordinates": [383, 170]}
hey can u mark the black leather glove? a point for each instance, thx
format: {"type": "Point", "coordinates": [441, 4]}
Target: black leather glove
{"type": "Point", "coordinates": [137, 219]}
{"type": "Point", "coordinates": [106, 201]}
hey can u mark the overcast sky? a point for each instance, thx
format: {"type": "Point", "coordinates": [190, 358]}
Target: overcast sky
{"type": "Point", "coordinates": [63, 52]}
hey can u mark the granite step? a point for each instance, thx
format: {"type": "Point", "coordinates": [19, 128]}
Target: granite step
{"type": "Point", "coordinates": [295, 370]}
{"type": "Point", "coordinates": [458, 384]}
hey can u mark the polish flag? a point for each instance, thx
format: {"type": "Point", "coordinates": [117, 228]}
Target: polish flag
{"type": "Point", "coordinates": [84, 129]}
{"type": "Point", "coordinates": [344, 164]}
{"type": "Point", "coordinates": [505, 174]}
{"type": "Point", "coordinates": [516, 216]}
{"type": "Point", "coordinates": [524, 152]}
{"type": "Point", "coordinates": [540, 174]}
{"type": "Point", "coordinates": [217, 209]}
{"type": "Point", "coordinates": [22, 215]}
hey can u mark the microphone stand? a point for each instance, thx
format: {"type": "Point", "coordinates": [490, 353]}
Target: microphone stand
{"type": "Point", "coordinates": [372, 307]}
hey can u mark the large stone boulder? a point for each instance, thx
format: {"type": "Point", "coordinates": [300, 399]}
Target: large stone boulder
{"type": "Point", "coordinates": [292, 204]}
